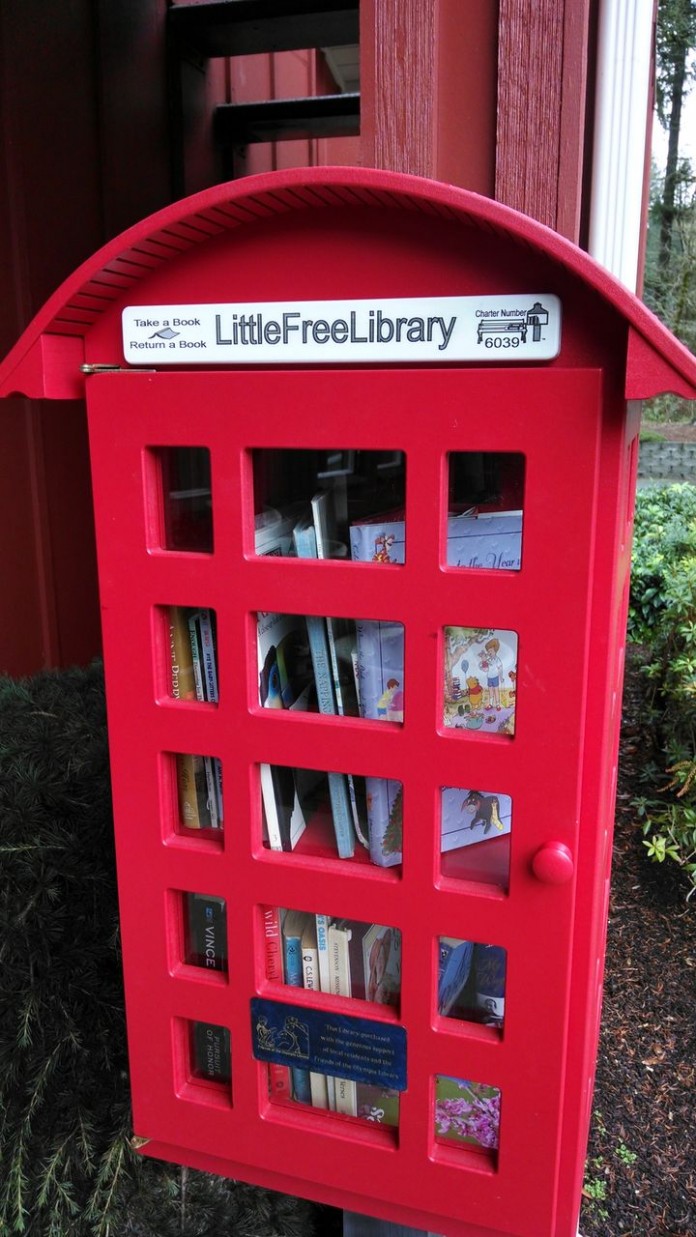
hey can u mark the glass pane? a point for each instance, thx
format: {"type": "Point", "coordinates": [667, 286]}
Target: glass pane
{"type": "Point", "coordinates": [319, 504]}
{"type": "Point", "coordinates": [205, 937]}
{"type": "Point", "coordinates": [467, 1113]}
{"type": "Point", "coordinates": [475, 830]}
{"type": "Point", "coordinates": [192, 654]}
{"type": "Point", "coordinates": [199, 791]}
{"type": "Point", "coordinates": [471, 981]}
{"type": "Point", "coordinates": [373, 1104]}
{"type": "Point", "coordinates": [485, 508]}
{"type": "Point", "coordinates": [342, 957]}
{"type": "Point", "coordinates": [331, 666]}
{"type": "Point", "coordinates": [210, 1052]}
{"type": "Point", "coordinates": [480, 679]}
{"type": "Point", "coordinates": [330, 814]}
{"type": "Point", "coordinates": [187, 498]}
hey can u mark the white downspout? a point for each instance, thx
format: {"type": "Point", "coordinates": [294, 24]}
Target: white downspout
{"type": "Point", "coordinates": [624, 68]}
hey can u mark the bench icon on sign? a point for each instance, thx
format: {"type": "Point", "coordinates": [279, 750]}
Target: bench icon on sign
{"type": "Point", "coordinates": [510, 332]}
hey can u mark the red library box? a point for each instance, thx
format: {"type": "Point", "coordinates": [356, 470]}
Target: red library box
{"type": "Point", "coordinates": [364, 451]}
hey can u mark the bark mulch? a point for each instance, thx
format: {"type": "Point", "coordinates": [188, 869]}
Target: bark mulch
{"type": "Point", "coordinates": [641, 1170]}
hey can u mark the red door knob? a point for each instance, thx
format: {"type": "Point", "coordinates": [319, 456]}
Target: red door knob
{"type": "Point", "coordinates": [553, 864]}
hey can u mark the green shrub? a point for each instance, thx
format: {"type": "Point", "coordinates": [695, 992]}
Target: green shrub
{"type": "Point", "coordinates": [662, 617]}
{"type": "Point", "coordinates": [68, 1167]}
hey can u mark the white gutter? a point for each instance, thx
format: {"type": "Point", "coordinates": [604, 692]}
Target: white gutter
{"type": "Point", "coordinates": [622, 117]}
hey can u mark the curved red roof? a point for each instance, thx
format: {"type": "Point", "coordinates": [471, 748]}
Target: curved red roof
{"type": "Point", "coordinates": [42, 363]}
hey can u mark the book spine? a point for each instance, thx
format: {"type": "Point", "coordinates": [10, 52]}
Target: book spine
{"type": "Point", "coordinates": [278, 1075]}
{"type": "Point", "coordinates": [323, 679]}
{"type": "Point", "coordinates": [211, 792]}
{"type": "Point", "coordinates": [323, 965]}
{"type": "Point", "coordinates": [211, 1052]}
{"type": "Point", "coordinates": [183, 686]}
{"type": "Point", "coordinates": [195, 640]}
{"type": "Point", "coordinates": [187, 790]}
{"type": "Point", "coordinates": [292, 961]}
{"type": "Point", "coordinates": [342, 816]}
{"type": "Point", "coordinates": [207, 931]}
{"type": "Point", "coordinates": [208, 656]}
{"type": "Point", "coordinates": [384, 807]}
{"type": "Point", "coordinates": [310, 976]}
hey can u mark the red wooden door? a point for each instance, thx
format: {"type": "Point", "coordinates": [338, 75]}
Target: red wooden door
{"type": "Point", "coordinates": [549, 417]}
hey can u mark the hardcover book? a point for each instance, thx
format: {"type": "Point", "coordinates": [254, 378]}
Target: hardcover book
{"type": "Point", "coordinates": [480, 676]}
{"type": "Point", "coordinates": [470, 816]}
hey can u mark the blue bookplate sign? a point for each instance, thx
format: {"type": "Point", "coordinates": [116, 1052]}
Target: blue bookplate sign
{"type": "Point", "coordinates": [334, 1044]}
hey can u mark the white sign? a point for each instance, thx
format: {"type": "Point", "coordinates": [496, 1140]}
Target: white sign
{"type": "Point", "coordinates": [446, 328]}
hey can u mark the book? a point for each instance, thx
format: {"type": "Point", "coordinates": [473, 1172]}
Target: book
{"type": "Point", "coordinates": [206, 931]}
{"type": "Point", "coordinates": [211, 1052]}
{"type": "Point", "coordinates": [339, 937]}
{"type": "Point", "coordinates": [189, 770]}
{"type": "Point", "coordinates": [182, 683]}
{"type": "Point", "coordinates": [489, 968]}
{"type": "Point", "coordinates": [310, 977]}
{"type": "Point", "coordinates": [306, 547]}
{"type": "Point", "coordinates": [294, 924]}
{"type": "Point", "coordinates": [283, 813]}
{"type": "Point", "coordinates": [285, 664]}
{"type": "Point", "coordinates": [278, 1075]}
{"type": "Point", "coordinates": [375, 954]}
{"type": "Point", "coordinates": [480, 675]}
{"type": "Point", "coordinates": [454, 967]}
{"type": "Point", "coordinates": [208, 774]}
{"type": "Point", "coordinates": [491, 540]}
{"type": "Point", "coordinates": [322, 924]}
{"type": "Point", "coordinates": [471, 816]}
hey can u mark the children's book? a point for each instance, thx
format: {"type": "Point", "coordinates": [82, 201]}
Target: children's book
{"type": "Point", "coordinates": [306, 547]}
{"type": "Point", "coordinates": [454, 967]}
{"type": "Point", "coordinates": [470, 816]}
{"type": "Point", "coordinates": [480, 675]}
{"type": "Point", "coordinates": [491, 540]}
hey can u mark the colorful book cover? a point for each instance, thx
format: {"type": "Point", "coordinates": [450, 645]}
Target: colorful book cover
{"type": "Point", "coordinates": [467, 1113]}
{"type": "Point", "coordinates": [207, 931]}
{"type": "Point", "coordinates": [491, 540]}
{"type": "Point", "coordinates": [480, 676]}
{"type": "Point", "coordinates": [470, 816]}
{"type": "Point", "coordinates": [454, 967]}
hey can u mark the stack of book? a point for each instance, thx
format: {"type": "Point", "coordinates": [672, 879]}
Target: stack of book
{"type": "Point", "coordinates": [193, 667]}
{"type": "Point", "coordinates": [343, 958]}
